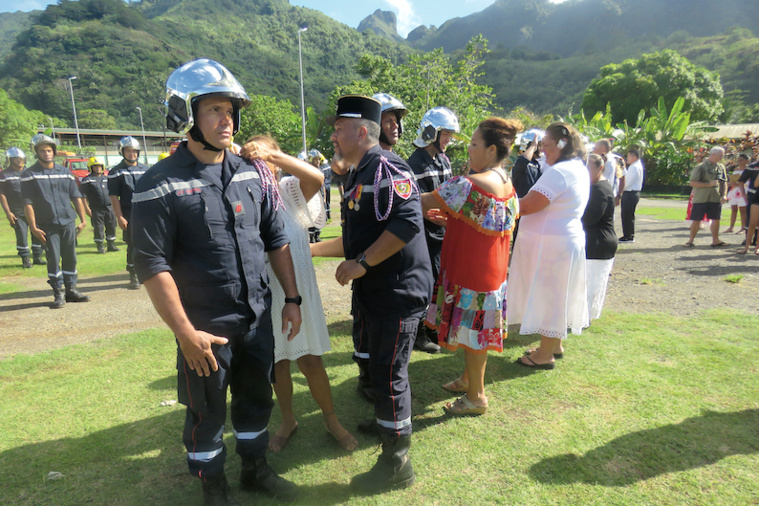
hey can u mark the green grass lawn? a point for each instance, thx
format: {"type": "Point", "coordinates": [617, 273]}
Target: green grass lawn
{"type": "Point", "coordinates": [644, 409]}
{"type": "Point", "coordinates": [662, 213]}
{"type": "Point", "coordinates": [630, 416]}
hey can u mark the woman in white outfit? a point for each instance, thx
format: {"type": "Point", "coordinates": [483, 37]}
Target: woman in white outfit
{"type": "Point", "coordinates": [547, 293]}
{"type": "Point", "coordinates": [300, 203]}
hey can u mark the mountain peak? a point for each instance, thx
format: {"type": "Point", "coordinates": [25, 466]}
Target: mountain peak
{"type": "Point", "coordinates": [382, 23]}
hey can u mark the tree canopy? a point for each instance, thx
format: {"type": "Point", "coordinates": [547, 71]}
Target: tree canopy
{"type": "Point", "coordinates": [635, 85]}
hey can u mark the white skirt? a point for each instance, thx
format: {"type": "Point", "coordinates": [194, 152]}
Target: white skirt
{"type": "Point", "coordinates": [598, 272]}
{"type": "Point", "coordinates": [547, 293]}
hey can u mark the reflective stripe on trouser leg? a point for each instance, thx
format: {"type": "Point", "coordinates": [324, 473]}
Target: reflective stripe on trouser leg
{"type": "Point", "coordinates": [250, 383]}
{"type": "Point", "coordinates": [390, 342]}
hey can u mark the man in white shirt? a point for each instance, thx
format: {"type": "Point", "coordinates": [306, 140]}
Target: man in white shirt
{"type": "Point", "coordinates": [603, 147]}
{"type": "Point", "coordinates": [631, 194]}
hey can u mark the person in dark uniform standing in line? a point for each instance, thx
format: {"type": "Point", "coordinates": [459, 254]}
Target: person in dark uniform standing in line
{"type": "Point", "coordinates": [391, 124]}
{"type": "Point", "coordinates": [98, 205]}
{"type": "Point", "coordinates": [526, 170]}
{"type": "Point", "coordinates": [13, 205]}
{"type": "Point", "coordinates": [387, 259]}
{"type": "Point", "coordinates": [49, 190]}
{"type": "Point", "coordinates": [121, 183]}
{"type": "Point", "coordinates": [432, 168]}
{"type": "Point", "coordinates": [203, 220]}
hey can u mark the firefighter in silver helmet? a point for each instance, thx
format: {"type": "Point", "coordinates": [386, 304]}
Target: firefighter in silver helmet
{"type": "Point", "coordinates": [203, 222]}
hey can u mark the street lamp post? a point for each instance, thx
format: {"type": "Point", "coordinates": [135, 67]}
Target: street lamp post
{"type": "Point", "coordinates": [144, 142]}
{"type": "Point", "coordinates": [73, 106]}
{"type": "Point", "coordinates": [302, 98]}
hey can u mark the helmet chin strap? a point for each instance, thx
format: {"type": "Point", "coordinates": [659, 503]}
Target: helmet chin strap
{"type": "Point", "coordinates": [198, 136]}
{"type": "Point", "coordinates": [383, 138]}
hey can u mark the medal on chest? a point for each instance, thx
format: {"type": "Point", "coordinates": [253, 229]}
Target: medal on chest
{"type": "Point", "coordinates": [354, 197]}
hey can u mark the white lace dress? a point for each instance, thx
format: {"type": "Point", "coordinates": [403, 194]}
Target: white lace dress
{"type": "Point", "coordinates": [547, 290]}
{"type": "Point", "coordinates": [313, 338]}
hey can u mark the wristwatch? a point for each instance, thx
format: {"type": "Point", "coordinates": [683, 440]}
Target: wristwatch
{"type": "Point", "coordinates": [362, 262]}
{"type": "Point", "coordinates": [294, 300]}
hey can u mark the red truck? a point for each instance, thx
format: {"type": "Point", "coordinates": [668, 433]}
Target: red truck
{"type": "Point", "coordinates": [77, 166]}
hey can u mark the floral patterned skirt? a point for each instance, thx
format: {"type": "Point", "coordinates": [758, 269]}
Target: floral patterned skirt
{"type": "Point", "coordinates": [466, 318]}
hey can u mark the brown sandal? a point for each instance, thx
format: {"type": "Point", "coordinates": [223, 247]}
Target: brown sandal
{"type": "Point", "coordinates": [456, 386]}
{"type": "Point", "coordinates": [347, 441]}
{"type": "Point", "coordinates": [464, 407]}
{"type": "Point", "coordinates": [277, 443]}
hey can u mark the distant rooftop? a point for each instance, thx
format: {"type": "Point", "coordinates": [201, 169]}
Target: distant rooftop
{"type": "Point", "coordinates": [736, 131]}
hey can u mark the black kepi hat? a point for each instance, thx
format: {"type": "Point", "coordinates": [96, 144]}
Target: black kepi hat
{"type": "Point", "coordinates": [357, 106]}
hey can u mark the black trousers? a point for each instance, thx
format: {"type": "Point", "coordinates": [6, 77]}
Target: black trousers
{"type": "Point", "coordinates": [630, 201]}
{"type": "Point", "coordinates": [103, 220]}
{"type": "Point", "coordinates": [245, 366]}
{"type": "Point", "coordinates": [60, 247]}
{"type": "Point", "coordinates": [390, 342]}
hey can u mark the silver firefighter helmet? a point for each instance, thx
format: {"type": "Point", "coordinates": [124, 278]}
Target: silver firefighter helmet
{"type": "Point", "coordinates": [433, 121]}
{"type": "Point", "coordinates": [200, 78]}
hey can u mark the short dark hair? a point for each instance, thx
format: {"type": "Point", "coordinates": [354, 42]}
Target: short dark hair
{"type": "Point", "coordinates": [500, 133]}
{"type": "Point", "coordinates": [635, 152]}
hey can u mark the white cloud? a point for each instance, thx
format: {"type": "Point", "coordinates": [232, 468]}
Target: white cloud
{"type": "Point", "coordinates": [407, 18]}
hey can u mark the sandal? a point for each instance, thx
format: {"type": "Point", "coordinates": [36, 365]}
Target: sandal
{"type": "Point", "coordinates": [719, 244]}
{"type": "Point", "coordinates": [464, 407]}
{"type": "Point", "coordinates": [456, 386]}
{"type": "Point", "coordinates": [557, 356]}
{"type": "Point", "coordinates": [688, 245]}
{"type": "Point", "coordinates": [347, 441]}
{"type": "Point", "coordinates": [277, 443]}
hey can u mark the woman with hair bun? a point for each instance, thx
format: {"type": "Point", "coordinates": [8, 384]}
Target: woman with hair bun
{"type": "Point", "coordinates": [547, 293]}
{"type": "Point", "coordinates": [468, 303]}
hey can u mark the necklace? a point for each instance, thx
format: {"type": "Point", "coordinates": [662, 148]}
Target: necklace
{"type": "Point", "coordinates": [498, 171]}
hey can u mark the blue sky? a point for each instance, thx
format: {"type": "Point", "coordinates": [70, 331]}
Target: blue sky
{"type": "Point", "coordinates": [410, 13]}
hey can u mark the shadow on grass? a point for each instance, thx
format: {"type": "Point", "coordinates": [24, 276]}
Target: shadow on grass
{"type": "Point", "coordinates": [693, 443]}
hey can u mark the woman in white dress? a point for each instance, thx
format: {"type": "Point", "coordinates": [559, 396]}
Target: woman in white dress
{"type": "Point", "coordinates": [547, 292]}
{"type": "Point", "coordinates": [301, 206]}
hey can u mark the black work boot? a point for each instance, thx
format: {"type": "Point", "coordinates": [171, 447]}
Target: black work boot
{"type": "Point", "coordinates": [38, 260]}
{"type": "Point", "coordinates": [424, 342]}
{"type": "Point", "coordinates": [58, 299]}
{"type": "Point", "coordinates": [112, 246]}
{"type": "Point", "coordinates": [216, 492]}
{"type": "Point", "coordinates": [364, 386]}
{"type": "Point", "coordinates": [134, 283]}
{"type": "Point", "coordinates": [101, 248]}
{"type": "Point", "coordinates": [74, 295]}
{"type": "Point", "coordinates": [392, 470]}
{"type": "Point", "coordinates": [26, 262]}
{"type": "Point", "coordinates": [369, 426]}
{"type": "Point", "coordinates": [257, 476]}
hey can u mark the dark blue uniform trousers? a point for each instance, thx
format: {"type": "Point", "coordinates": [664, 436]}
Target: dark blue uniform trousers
{"type": "Point", "coordinates": [390, 342]}
{"type": "Point", "coordinates": [60, 247]}
{"type": "Point", "coordinates": [102, 220]}
{"type": "Point", "coordinates": [245, 365]}
{"type": "Point", "coordinates": [360, 337]}
{"type": "Point", "coordinates": [22, 233]}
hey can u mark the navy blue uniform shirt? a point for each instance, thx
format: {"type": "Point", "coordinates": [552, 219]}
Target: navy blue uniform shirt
{"type": "Point", "coordinates": [10, 186]}
{"type": "Point", "coordinates": [430, 173]}
{"type": "Point", "coordinates": [50, 192]}
{"type": "Point", "coordinates": [401, 284]}
{"type": "Point", "coordinates": [122, 181]}
{"type": "Point", "coordinates": [95, 189]}
{"type": "Point", "coordinates": [524, 174]}
{"type": "Point", "coordinates": [211, 239]}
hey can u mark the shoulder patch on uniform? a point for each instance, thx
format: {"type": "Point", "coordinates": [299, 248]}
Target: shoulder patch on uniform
{"type": "Point", "coordinates": [403, 188]}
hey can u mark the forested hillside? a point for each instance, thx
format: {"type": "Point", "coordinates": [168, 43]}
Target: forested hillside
{"type": "Point", "coordinates": [122, 54]}
{"type": "Point", "coordinates": [11, 24]}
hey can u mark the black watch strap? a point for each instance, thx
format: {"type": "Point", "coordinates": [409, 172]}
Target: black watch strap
{"type": "Point", "coordinates": [362, 262]}
{"type": "Point", "coordinates": [294, 300]}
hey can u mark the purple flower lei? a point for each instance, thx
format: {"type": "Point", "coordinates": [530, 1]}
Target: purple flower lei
{"type": "Point", "coordinates": [383, 169]}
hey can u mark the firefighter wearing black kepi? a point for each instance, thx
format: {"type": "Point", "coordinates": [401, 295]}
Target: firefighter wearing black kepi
{"type": "Point", "coordinates": [122, 180]}
{"type": "Point", "coordinates": [49, 190]}
{"type": "Point", "coordinates": [432, 168]}
{"type": "Point", "coordinates": [203, 221]}
{"type": "Point", "coordinates": [98, 205]}
{"type": "Point", "coordinates": [387, 259]}
{"type": "Point", "coordinates": [391, 129]}
{"type": "Point", "coordinates": [13, 205]}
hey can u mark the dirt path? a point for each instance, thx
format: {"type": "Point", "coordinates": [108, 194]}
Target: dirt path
{"type": "Point", "coordinates": [655, 274]}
